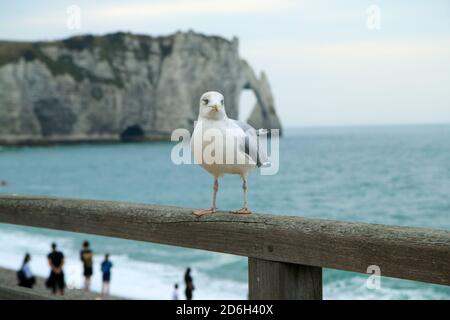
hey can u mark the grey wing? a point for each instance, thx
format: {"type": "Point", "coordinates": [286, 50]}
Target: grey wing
{"type": "Point", "coordinates": [252, 144]}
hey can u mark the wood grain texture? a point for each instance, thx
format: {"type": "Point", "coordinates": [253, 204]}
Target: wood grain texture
{"type": "Point", "coordinates": [272, 280]}
{"type": "Point", "coordinates": [402, 252]}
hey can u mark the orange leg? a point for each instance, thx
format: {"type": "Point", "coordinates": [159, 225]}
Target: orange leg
{"type": "Point", "coordinates": [202, 212]}
{"type": "Point", "coordinates": [245, 209]}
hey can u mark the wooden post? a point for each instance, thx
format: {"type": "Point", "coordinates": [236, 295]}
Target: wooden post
{"type": "Point", "coordinates": [273, 280]}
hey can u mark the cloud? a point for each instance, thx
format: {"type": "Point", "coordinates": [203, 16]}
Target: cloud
{"type": "Point", "coordinates": [196, 7]}
{"type": "Point", "coordinates": [288, 52]}
{"type": "Point", "coordinates": [96, 15]}
{"type": "Point", "coordinates": [357, 82]}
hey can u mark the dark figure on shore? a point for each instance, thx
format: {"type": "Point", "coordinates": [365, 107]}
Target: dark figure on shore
{"type": "Point", "coordinates": [189, 284]}
{"type": "Point", "coordinates": [56, 279]}
{"type": "Point", "coordinates": [175, 292]}
{"type": "Point", "coordinates": [86, 257]}
{"type": "Point", "coordinates": [106, 270]}
{"type": "Point", "coordinates": [24, 275]}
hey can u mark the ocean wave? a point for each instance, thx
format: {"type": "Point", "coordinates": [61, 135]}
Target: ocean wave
{"type": "Point", "coordinates": [354, 288]}
{"type": "Point", "coordinates": [130, 278]}
{"type": "Point", "coordinates": [138, 279]}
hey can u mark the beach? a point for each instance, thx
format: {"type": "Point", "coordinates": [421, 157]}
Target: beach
{"type": "Point", "coordinates": [8, 279]}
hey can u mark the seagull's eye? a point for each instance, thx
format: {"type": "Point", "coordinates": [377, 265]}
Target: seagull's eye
{"type": "Point", "coordinates": [205, 101]}
{"type": "Point", "coordinates": [221, 101]}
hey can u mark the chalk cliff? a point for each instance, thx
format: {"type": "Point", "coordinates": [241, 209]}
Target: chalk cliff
{"type": "Point", "coordinates": [120, 86]}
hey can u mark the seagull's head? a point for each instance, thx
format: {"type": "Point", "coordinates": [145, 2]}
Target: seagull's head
{"type": "Point", "coordinates": [212, 106]}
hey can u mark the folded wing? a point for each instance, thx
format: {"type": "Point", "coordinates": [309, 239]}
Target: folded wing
{"type": "Point", "coordinates": [252, 146]}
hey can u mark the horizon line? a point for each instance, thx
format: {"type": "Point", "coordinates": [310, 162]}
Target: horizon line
{"type": "Point", "coordinates": [366, 125]}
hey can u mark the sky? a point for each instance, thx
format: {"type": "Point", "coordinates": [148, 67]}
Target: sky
{"type": "Point", "coordinates": [329, 63]}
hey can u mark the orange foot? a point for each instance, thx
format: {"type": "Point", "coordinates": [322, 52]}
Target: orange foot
{"type": "Point", "coordinates": [202, 212]}
{"type": "Point", "coordinates": [242, 211]}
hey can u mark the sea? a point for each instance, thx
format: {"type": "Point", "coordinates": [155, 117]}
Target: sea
{"type": "Point", "coordinates": [394, 175]}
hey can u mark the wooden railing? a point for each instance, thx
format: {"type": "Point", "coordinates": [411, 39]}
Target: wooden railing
{"type": "Point", "coordinates": [286, 253]}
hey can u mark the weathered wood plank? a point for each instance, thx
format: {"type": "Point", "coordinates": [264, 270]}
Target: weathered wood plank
{"type": "Point", "coordinates": [272, 280]}
{"type": "Point", "coordinates": [402, 252]}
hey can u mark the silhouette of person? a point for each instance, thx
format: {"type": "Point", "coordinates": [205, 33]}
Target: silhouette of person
{"type": "Point", "coordinates": [24, 275]}
{"type": "Point", "coordinates": [189, 282]}
{"type": "Point", "coordinates": [86, 257]}
{"type": "Point", "coordinates": [56, 279]}
{"type": "Point", "coordinates": [106, 270]}
{"type": "Point", "coordinates": [175, 292]}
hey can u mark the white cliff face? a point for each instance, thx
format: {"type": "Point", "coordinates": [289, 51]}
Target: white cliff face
{"type": "Point", "coordinates": [120, 86]}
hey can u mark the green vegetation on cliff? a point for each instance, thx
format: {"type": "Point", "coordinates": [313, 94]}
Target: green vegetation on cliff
{"type": "Point", "coordinates": [108, 47]}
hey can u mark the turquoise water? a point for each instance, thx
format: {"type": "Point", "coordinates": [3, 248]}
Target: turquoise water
{"type": "Point", "coordinates": [397, 175]}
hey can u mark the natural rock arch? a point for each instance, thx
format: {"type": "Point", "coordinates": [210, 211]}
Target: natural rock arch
{"type": "Point", "coordinates": [101, 87]}
{"type": "Point", "coordinates": [263, 114]}
{"type": "Point", "coordinates": [247, 101]}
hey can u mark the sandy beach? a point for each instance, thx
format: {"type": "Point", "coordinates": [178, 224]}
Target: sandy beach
{"type": "Point", "coordinates": [8, 279]}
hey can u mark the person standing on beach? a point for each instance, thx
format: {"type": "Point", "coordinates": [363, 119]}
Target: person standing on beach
{"type": "Point", "coordinates": [24, 275]}
{"type": "Point", "coordinates": [175, 292]}
{"type": "Point", "coordinates": [106, 270]}
{"type": "Point", "coordinates": [56, 279]}
{"type": "Point", "coordinates": [189, 282]}
{"type": "Point", "coordinates": [86, 257]}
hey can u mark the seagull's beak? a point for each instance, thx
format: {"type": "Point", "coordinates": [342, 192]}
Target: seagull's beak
{"type": "Point", "coordinates": [215, 107]}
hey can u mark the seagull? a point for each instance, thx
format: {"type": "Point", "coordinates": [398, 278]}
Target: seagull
{"type": "Point", "coordinates": [239, 158]}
